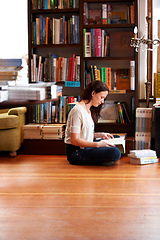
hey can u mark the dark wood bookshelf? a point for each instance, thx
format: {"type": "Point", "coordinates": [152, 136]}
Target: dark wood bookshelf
{"type": "Point", "coordinates": [129, 128]}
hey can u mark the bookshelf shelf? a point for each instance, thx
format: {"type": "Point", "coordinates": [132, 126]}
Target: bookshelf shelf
{"type": "Point", "coordinates": [108, 58]}
{"type": "Point", "coordinates": [57, 11]}
{"type": "Point", "coordinates": [110, 26]}
{"type": "Point", "coordinates": [108, 1]}
{"type": "Point", "coordinates": [56, 45]}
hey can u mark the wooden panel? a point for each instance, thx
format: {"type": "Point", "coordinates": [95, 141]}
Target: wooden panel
{"type": "Point", "coordinates": [38, 146]}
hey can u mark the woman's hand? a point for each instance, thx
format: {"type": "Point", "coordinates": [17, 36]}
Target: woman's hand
{"type": "Point", "coordinates": [103, 135]}
{"type": "Point", "coordinates": [104, 143]}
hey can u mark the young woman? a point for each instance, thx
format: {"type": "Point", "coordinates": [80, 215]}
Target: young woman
{"type": "Point", "coordinates": [81, 149]}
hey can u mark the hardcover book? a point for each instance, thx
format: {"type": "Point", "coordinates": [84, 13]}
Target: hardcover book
{"type": "Point", "coordinates": [123, 79]}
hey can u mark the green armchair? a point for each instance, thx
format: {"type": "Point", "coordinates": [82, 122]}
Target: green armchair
{"type": "Point", "coordinates": [11, 131]}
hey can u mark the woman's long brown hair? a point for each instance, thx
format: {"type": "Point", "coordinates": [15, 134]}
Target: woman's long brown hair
{"type": "Point", "coordinates": [96, 86]}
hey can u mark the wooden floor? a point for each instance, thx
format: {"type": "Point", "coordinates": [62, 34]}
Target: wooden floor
{"type": "Point", "coordinates": [46, 198]}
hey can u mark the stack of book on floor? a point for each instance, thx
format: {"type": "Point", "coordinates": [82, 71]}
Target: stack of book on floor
{"type": "Point", "coordinates": [44, 131]}
{"type": "Point", "coordinates": [144, 156]}
{"type": "Point", "coordinates": [33, 131]}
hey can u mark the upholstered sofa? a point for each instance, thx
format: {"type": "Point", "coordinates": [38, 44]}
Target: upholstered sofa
{"type": "Point", "coordinates": [11, 132]}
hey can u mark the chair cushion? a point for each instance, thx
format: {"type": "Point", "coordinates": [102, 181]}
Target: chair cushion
{"type": "Point", "coordinates": [8, 121]}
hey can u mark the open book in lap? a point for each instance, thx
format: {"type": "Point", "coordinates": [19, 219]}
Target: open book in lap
{"type": "Point", "coordinates": [118, 141]}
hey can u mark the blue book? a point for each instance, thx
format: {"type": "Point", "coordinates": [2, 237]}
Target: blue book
{"type": "Point", "coordinates": [77, 22]}
{"type": "Point", "coordinates": [35, 33]}
{"type": "Point", "coordinates": [73, 28]}
{"type": "Point", "coordinates": [44, 31]}
{"type": "Point", "coordinates": [63, 30]}
{"type": "Point", "coordinates": [93, 42]}
{"type": "Point", "coordinates": [41, 113]}
{"type": "Point", "coordinates": [45, 4]}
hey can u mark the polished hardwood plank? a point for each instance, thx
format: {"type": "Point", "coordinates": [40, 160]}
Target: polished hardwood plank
{"type": "Point", "coordinates": [44, 197]}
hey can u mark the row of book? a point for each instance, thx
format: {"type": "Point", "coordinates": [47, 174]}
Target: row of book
{"type": "Point", "coordinates": [96, 43]}
{"type": "Point", "coordinates": [62, 30]}
{"type": "Point", "coordinates": [144, 156]}
{"type": "Point", "coordinates": [54, 4]}
{"type": "Point", "coordinates": [44, 131]}
{"type": "Point", "coordinates": [100, 43]}
{"type": "Point", "coordinates": [106, 13]}
{"type": "Point", "coordinates": [53, 112]}
{"type": "Point", "coordinates": [55, 69]}
{"type": "Point", "coordinates": [115, 79]}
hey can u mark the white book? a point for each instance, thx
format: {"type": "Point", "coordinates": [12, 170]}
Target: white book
{"type": "Point", "coordinates": [132, 74]}
{"type": "Point", "coordinates": [87, 44]}
{"type": "Point", "coordinates": [37, 31]}
{"type": "Point", "coordinates": [118, 142]}
{"type": "Point", "coordinates": [77, 68]}
{"type": "Point", "coordinates": [53, 31]}
{"type": "Point", "coordinates": [142, 153]}
{"type": "Point", "coordinates": [143, 161]}
{"type": "Point", "coordinates": [57, 31]}
{"type": "Point", "coordinates": [3, 95]}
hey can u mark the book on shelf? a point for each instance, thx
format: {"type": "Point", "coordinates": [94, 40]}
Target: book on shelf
{"type": "Point", "coordinates": [97, 42]}
{"type": "Point", "coordinates": [61, 30]}
{"type": "Point", "coordinates": [94, 16]}
{"type": "Point", "coordinates": [3, 95]}
{"type": "Point", "coordinates": [53, 131]}
{"type": "Point", "coordinates": [43, 131]}
{"type": "Point", "coordinates": [45, 4]}
{"type": "Point", "coordinates": [87, 44]}
{"type": "Point", "coordinates": [123, 79]}
{"type": "Point", "coordinates": [104, 13]}
{"type": "Point", "coordinates": [54, 68]}
{"type": "Point", "coordinates": [32, 131]}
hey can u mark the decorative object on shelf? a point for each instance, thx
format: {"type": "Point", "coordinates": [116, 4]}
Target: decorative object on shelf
{"type": "Point", "coordinates": [147, 43]}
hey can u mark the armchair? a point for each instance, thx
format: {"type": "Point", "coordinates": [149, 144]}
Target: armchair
{"type": "Point", "coordinates": [11, 132]}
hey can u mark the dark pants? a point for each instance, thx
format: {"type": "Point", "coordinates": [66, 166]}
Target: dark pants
{"type": "Point", "coordinates": [105, 156]}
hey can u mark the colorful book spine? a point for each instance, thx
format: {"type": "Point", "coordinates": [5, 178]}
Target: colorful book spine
{"type": "Point", "coordinates": [104, 13]}
{"type": "Point", "coordinates": [97, 42]}
{"type": "Point", "coordinates": [87, 44]}
{"type": "Point", "coordinates": [143, 128]}
{"type": "Point", "coordinates": [103, 74]}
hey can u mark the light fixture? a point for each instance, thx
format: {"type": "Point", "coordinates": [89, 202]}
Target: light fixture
{"type": "Point", "coordinates": [147, 44]}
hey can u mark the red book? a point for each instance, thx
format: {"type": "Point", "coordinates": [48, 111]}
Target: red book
{"type": "Point", "coordinates": [97, 42]}
{"type": "Point", "coordinates": [73, 68]}
{"type": "Point", "coordinates": [70, 69]}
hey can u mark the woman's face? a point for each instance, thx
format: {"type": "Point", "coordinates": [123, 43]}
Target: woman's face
{"type": "Point", "coordinates": [98, 98]}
